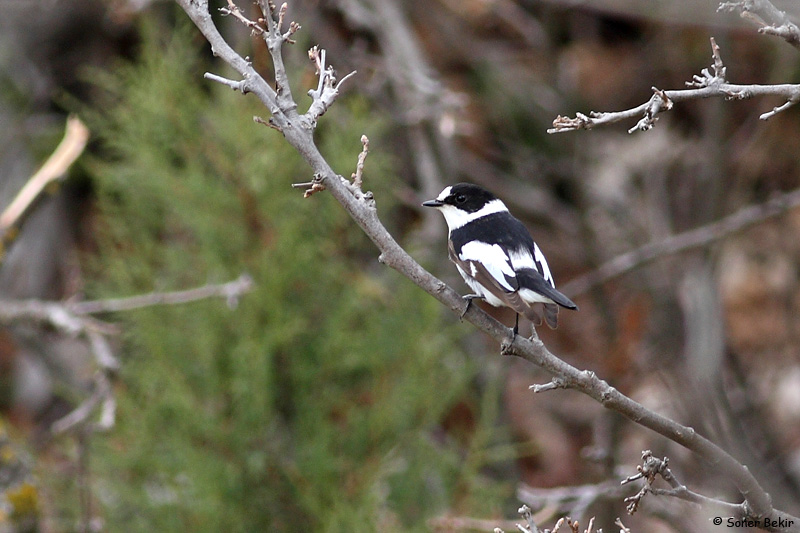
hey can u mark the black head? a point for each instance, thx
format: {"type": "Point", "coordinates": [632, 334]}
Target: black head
{"type": "Point", "coordinates": [464, 196]}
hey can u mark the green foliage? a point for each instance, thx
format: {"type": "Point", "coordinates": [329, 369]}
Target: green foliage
{"type": "Point", "coordinates": [313, 405]}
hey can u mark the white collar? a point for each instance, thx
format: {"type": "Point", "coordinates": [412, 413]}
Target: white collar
{"type": "Point", "coordinates": [456, 217]}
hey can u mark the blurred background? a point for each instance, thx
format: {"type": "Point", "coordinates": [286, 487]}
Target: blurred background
{"type": "Point", "coordinates": [337, 396]}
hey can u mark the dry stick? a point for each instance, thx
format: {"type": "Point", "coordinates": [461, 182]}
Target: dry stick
{"type": "Point", "coordinates": [706, 86]}
{"type": "Point", "coordinates": [71, 146]}
{"type": "Point", "coordinates": [73, 319]}
{"type": "Point", "coordinates": [358, 175]}
{"type": "Point", "coordinates": [696, 238]}
{"type": "Point", "coordinates": [780, 27]}
{"type": "Point", "coordinates": [651, 467]}
{"type": "Point", "coordinates": [757, 502]}
{"type": "Point", "coordinates": [791, 92]}
{"type": "Point", "coordinates": [230, 291]}
{"type": "Point", "coordinates": [101, 394]}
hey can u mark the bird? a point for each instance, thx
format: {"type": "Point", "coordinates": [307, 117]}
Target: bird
{"type": "Point", "coordinates": [496, 255]}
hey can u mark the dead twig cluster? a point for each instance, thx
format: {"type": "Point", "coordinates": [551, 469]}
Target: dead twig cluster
{"type": "Point", "coordinates": [76, 319]}
{"type": "Point", "coordinates": [708, 84]}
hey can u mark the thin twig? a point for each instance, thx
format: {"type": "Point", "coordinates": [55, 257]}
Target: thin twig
{"type": "Point", "coordinates": [357, 176]}
{"type": "Point", "coordinates": [653, 466]}
{"type": "Point", "coordinates": [79, 415]}
{"type": "Point", "coordinates": [706, 86]}
{"type": "Point", "coordinates": [234, 10]}
{"type": "Point", "coordinates": [681, 242]}
{"type": "Point", "coordinates": [781, 26]}
{"type": "Point", "coordinates": [574, 499]}
{"type": "Point", "coordinates": [73, 318]}
{"type": "Point", "coordinates": [231, 291]}
{"type": "Point", "coordinates": [240, 85]}
{"type": "Point", "coordinates": [327, 89]}
{"type": "Point", "coordinates": [553, 384]}
{"type": "Point", "coordinates": [69, 149]}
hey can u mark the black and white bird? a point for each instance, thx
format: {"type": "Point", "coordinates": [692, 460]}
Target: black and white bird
{"type": "Point", "coordinates": [496, 255]}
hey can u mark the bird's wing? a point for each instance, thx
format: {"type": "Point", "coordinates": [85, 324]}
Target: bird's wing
{"type": "Point", "coordinates": [493, 261]}
{"type": "Point", "coordinates": [533, 280]}
{"type": "Point", "coordinates": [490, 267]}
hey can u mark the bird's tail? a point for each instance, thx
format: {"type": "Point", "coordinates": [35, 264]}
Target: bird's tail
{"type": "Point", "coordinates": [551, 315]}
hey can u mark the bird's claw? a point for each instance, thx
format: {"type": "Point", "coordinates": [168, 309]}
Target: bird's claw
{"type": "Point", "coordinates": [468, 298]}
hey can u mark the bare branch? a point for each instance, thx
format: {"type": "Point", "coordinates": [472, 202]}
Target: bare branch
{"type": "Point", "coordinates": [102, 351]}
{"type": "Point", "coordinates": [72, 318]}
{"type": "Point", "coordinates": [312, 187]}
{"type": "Point", "coordinates": [240, 85]}
{"type": "Point", "coordinates": [707, 85]}
{"type": "Point", "coordinates": [357, 177]}
{"type": "Point", "coordinates": [275, 40]}
{"type": "Point", "coordinates": [231, 291]}
{"type": "Point", "coordinates": [651, 467]}
{"type": "Point", "coordinates": [327, 89]}
{"type": "Point", "coordinates": [198, 12]}
{"type": "Point", "coordinates": [576, 500]}
{"type": "Point", "coordinates": [781, 26]}
{"type": "Point", "coordinates": [234, 10]}
{"type": "Point", "coordinates": [69, 149]}
{"type": "Point", "coordinates": [658, 102]}
{"type": "Point", "coordinates": [696, 238]}
{"type": "Point", "coordinates": [553, 384]}
{"type": "Point", "coordinates": [80, 415]}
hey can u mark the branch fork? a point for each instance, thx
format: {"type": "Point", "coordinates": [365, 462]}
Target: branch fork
{"type": "Point", "coordinates": [707, 79]}
{"type": "Point", "coordinates": [660, 101]}
{"type": "Point", "coordinates": [327, 89]}
{"type": "Point", "coordinates": [652, 467]}
{"type": "Point", "coordinates": [781, 26]}
{"type": "Point", "coordinates": [316, 185]}
{"type": "Point", "coordinates": [271, 28]}
{"type": "Point", "coordinates": [708, 83]}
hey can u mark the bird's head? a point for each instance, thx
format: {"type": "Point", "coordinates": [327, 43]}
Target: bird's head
{"type": "Point", "coordinates": [464, 202]}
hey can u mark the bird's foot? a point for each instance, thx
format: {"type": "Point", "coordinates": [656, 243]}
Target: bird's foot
{"type": "Point", "coordinates": [468, 298]}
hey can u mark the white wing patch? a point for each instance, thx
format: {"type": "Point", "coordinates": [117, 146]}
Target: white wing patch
{"type": "Point", "coordinates": [522, 258]}
{"type": "Point", "coordinates": [534, 297]}
{"type": "Point", "coordinates": [539, 256]}
{"type": "Point", "coordinates": [479, 289]}
{"type": "Point", "coordinates": [493, 258]}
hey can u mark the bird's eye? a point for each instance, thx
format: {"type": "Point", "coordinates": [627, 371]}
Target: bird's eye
{"type": "Point", "coordinates": [460, 198]}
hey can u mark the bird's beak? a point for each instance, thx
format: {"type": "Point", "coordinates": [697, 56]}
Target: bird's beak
{"type": "Point", "coordinates": [433, 203]}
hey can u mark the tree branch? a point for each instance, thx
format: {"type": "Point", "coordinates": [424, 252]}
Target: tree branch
{"type": "Point", "coordinates": [69, 149]}
{"type": "Point", "coordinates": [707, 85]}
{"type": "Point", "coordinates": [780, 26]}
{"type": "Point", "coordinates": [651, 467]}
{"type": "Point", "coordinates": [73, 318]}
{"type": "Point", "coordinates": [102, 395]}
{"type": "Point", "coordinates": [575, 501]}
{"type": "Point", "coordinates": [231, 291]}
{"type": "Point", "coordinates": [681, 242]}
{"type": "Point", "coordinates": [362, 209]}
